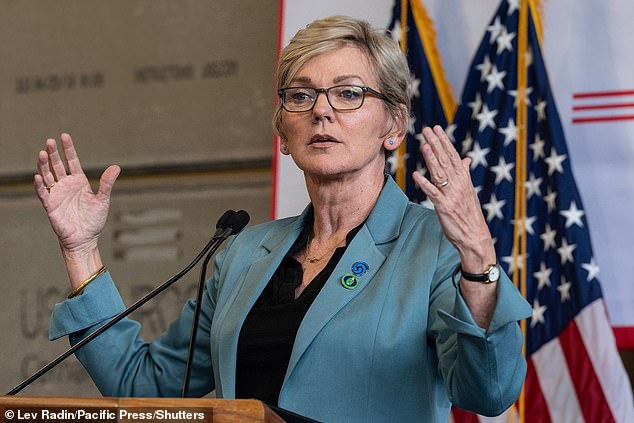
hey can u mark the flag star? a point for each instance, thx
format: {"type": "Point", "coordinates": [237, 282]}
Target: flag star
{"type": "Point", "coordinates": [415, 86]}
{"type": "Point", "coordinates": [484, 67]}
{"type": "Point", "coordinates": [538, 313]}
{"type": "Point", "coordinates": [550, 198]}
{"type": "Point", "coordinates": [542, 276]}
{"type": "Point", "coordinates": [478, 190]}
{"type": "Point", "coordinates": [494, 79]}
{"type": "Point", "coordinates": [420, 169]}
{"type": "Point", "coordinates": [478, 156]}
{"type": "Point", "coordinates": [475, 105]}
{"type": "Point", "coordinates": [532, 186]}
{"type": "Point", "coordinates": [540, 108]}
{"type": "Point", "coordinates": [502, 171]}
{"type": "Point", "coordinates": [494, 29]}
{"type": "Point", "coordinates": [573, 215]}
{"type": "Point", "coordinates": [396, 32]}
{"type": "Point", "coordinates": [565, 251]}
{"type": "Point", "coordinates": [485, 117]}
{"type": "Point", "coordinates": [466, 144]}
{"type": "Point", "coordinates": [513, 93]}
{"type": "Point", "coordinates": [513, 6]}
{"type": "Point", "coordinates": [554, 162]}
{"type": "Point", "coordinates": [527, 224]}
{"type": "Point", "coordinates": [449, 130]}
{"type": "Point", "coordinates": [392, 163]}
{"type": "Point", "coordinates": [548, 237]}
{"type": "Point", "coordinates": [529, 58]}
{"type": "Point", "coordinates": [538, 147]}
{"type": "Point", "coordinates": [509, 132]}
{"type": "Point", "coordinates": [591, 268]}
{"type": "Point", "coordinates": [494, 208]}
{"type": "Point", "coordinates": [412, 121]}
{"type": "Point", "coordinates": [504, 41]}
{"type": "Point", "coordinates": [564, 289]}
{"type": "Point", "coordinates": [421, 139]}
{"type": "Point", "coordinates": [510, 261]}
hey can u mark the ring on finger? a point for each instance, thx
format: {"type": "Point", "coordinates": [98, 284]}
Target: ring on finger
{"type": "Point", "coordinates": [48, 187]}
{"type": "Point", "coordinates": [442, 184]}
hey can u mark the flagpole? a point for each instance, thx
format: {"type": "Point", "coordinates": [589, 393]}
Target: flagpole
{"type": "Point", "coordinates": [520, 166]}
{"type": "Point", "coordinates": [401, 152]}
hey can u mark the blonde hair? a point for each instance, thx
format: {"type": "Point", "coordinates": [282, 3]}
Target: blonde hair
{"type": "Point", "coordinates": [388, 63]}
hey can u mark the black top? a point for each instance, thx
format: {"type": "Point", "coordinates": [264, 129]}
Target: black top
{"type": "Point", "coordinates": [269, 330]}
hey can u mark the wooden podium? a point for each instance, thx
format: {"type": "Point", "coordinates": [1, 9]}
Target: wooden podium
{"type": "Point", "coordinates": [22, 409]}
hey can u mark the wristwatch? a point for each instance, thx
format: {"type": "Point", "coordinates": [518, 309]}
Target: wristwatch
{"type": "Point", "coordinates": [490, 275]}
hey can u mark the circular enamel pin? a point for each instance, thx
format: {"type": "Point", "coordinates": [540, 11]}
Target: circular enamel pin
{"type": "Point", "coordinates": [349, 281]}
{"type": "Point", "coordinates": [359, 268]}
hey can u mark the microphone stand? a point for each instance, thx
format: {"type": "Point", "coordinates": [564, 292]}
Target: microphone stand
{"type": "Point", "coordinates": [219, 237]}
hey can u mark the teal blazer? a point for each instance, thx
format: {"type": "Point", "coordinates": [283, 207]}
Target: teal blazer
{"type": "Point", "coordinates": [401, 346]}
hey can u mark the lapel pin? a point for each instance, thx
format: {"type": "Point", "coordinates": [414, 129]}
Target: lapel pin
{"type": "Point", "coordinates": [359, 268]}
{"type": "Point", "coordinates": [349, 281]}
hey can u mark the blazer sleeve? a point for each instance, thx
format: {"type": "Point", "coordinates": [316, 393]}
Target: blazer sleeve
{"type": "Point", "coordinates": [483, 370]}
{"type": "Point", "coordinates": [119, 361]}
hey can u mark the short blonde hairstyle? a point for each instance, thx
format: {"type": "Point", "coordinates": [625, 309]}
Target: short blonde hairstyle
{"type": "Point", "coordinates": [389, 65]}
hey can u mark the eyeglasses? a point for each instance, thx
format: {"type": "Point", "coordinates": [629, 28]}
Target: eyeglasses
{"type": "Point", "coordinates": [340, 97]}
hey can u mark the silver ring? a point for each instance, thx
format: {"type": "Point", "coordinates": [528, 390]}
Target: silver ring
{"type": "Point", "coordinates": [442, 184]}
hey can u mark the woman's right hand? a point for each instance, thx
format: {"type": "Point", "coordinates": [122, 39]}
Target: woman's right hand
{"type": "Point", "coordinates": [76, 213]}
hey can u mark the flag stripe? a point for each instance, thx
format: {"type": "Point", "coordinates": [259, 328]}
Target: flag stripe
{"type": "Point", "coordinates": [603, 106]}
{"type": "Point", "coordinates": [594, 406]}
{"type": "Point", "coordinates": [599, 339]}
{"type": "Point", "coordinates": [554, 379]}
{"type": "Point", "coordinates": [536, 408]}
{"type": "Point", "coordinates": [603, 94]}
{"type": "Point", "coordinates": [602, 119]}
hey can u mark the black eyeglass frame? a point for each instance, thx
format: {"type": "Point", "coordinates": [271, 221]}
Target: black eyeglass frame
{"type": "Point", "coordinates": [364, 89]}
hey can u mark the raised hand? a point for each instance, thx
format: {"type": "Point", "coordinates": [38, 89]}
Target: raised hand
{"type": "Point", "coordinates": [76, 213]}
{"type": "Point", "coordinates": [460, 215]}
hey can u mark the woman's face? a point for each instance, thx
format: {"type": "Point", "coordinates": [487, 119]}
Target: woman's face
{"type": "Point", "coordinates": [328, 143]}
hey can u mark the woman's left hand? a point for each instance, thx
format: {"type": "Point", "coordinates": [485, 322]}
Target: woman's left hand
{"type": "Point", "coordinates": [455, 200]}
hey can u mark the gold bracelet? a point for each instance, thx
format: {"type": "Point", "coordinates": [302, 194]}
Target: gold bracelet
{"type": "Point", "coordinates": [77, 290]}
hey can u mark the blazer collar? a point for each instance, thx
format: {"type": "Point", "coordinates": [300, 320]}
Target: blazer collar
{"type": "Point", "coordinates": [382, 226]}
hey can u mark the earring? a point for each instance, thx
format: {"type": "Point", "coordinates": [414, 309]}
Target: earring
{"type": "Point", "coordinates": [285, 148]}
{"type": "Point", "coordinates": [391, 142]}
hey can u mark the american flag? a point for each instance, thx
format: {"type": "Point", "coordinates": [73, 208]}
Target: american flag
{"type": "Point", "coordinates": [432, 101]}
{"type": "Point", "coordinates": [508, 124]}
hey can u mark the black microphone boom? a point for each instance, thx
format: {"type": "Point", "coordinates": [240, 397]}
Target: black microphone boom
{"type": "Point", "coordinates": [235, 224]}
{"type": "Point", "coordinates": [227, 225]}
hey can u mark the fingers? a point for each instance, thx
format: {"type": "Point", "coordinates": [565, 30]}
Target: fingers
{"type": "Point", "coordinates": [72, 161]}
{"type": "Point", "coordinates": [44, 169]}
{"type": "Point", "coordinates": [55, 160]}
{"type": "Point", "coordinates": [40, 188]}
{"type": "Point", "coordinates": [108, 178]}
{"type": "Point", "coordinates": [441, 157]}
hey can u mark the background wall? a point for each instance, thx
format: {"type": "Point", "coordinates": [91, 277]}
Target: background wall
{"type": "Point", "coordinates": [180, 95]}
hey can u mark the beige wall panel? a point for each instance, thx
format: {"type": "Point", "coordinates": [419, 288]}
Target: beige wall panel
{"type": "Point", "coordinates": [156, 226]}
{"type": "Point", "coordinates": [141, 83]}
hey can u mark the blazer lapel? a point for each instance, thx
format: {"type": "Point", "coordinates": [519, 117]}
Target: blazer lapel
{"type": "Point", "coordinates": [266, 259]}
{"type": "Point", "coordinates": [383, 225]}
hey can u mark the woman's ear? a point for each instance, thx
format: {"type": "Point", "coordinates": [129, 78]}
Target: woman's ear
{"type": "Point", "coordinates": [397, 132]}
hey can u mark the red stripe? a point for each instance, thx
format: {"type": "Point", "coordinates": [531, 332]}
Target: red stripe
{"type": "Point", "coordinates": [624, 337]}
{"type": "Point", "coordinates": [602, 94]}
{"type": "Point", "coordinates": [602, 119]}
{"type": "Point", "coordinates": [276, 153]}
{"type": "Point", "coordinates": [461, 416]}
{"type": "Point", "coordinates": [536, 407]}
{"type": "Point", "coordinates": [603, 106]}
{"type": "Point", "coordinates": [592, 401]}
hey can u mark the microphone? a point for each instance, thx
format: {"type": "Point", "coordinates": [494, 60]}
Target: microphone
{"type": "Point", "coordinates": [227, 225]}
{"type": "Point", "coordinates": [235, 223]}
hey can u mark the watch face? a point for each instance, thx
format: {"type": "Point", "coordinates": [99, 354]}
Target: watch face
{"type": "Point", "coordinates": [494, 273]}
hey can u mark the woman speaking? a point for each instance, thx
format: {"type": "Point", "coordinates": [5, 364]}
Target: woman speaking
{"type": "Point", "coordinates": [366, 307]}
